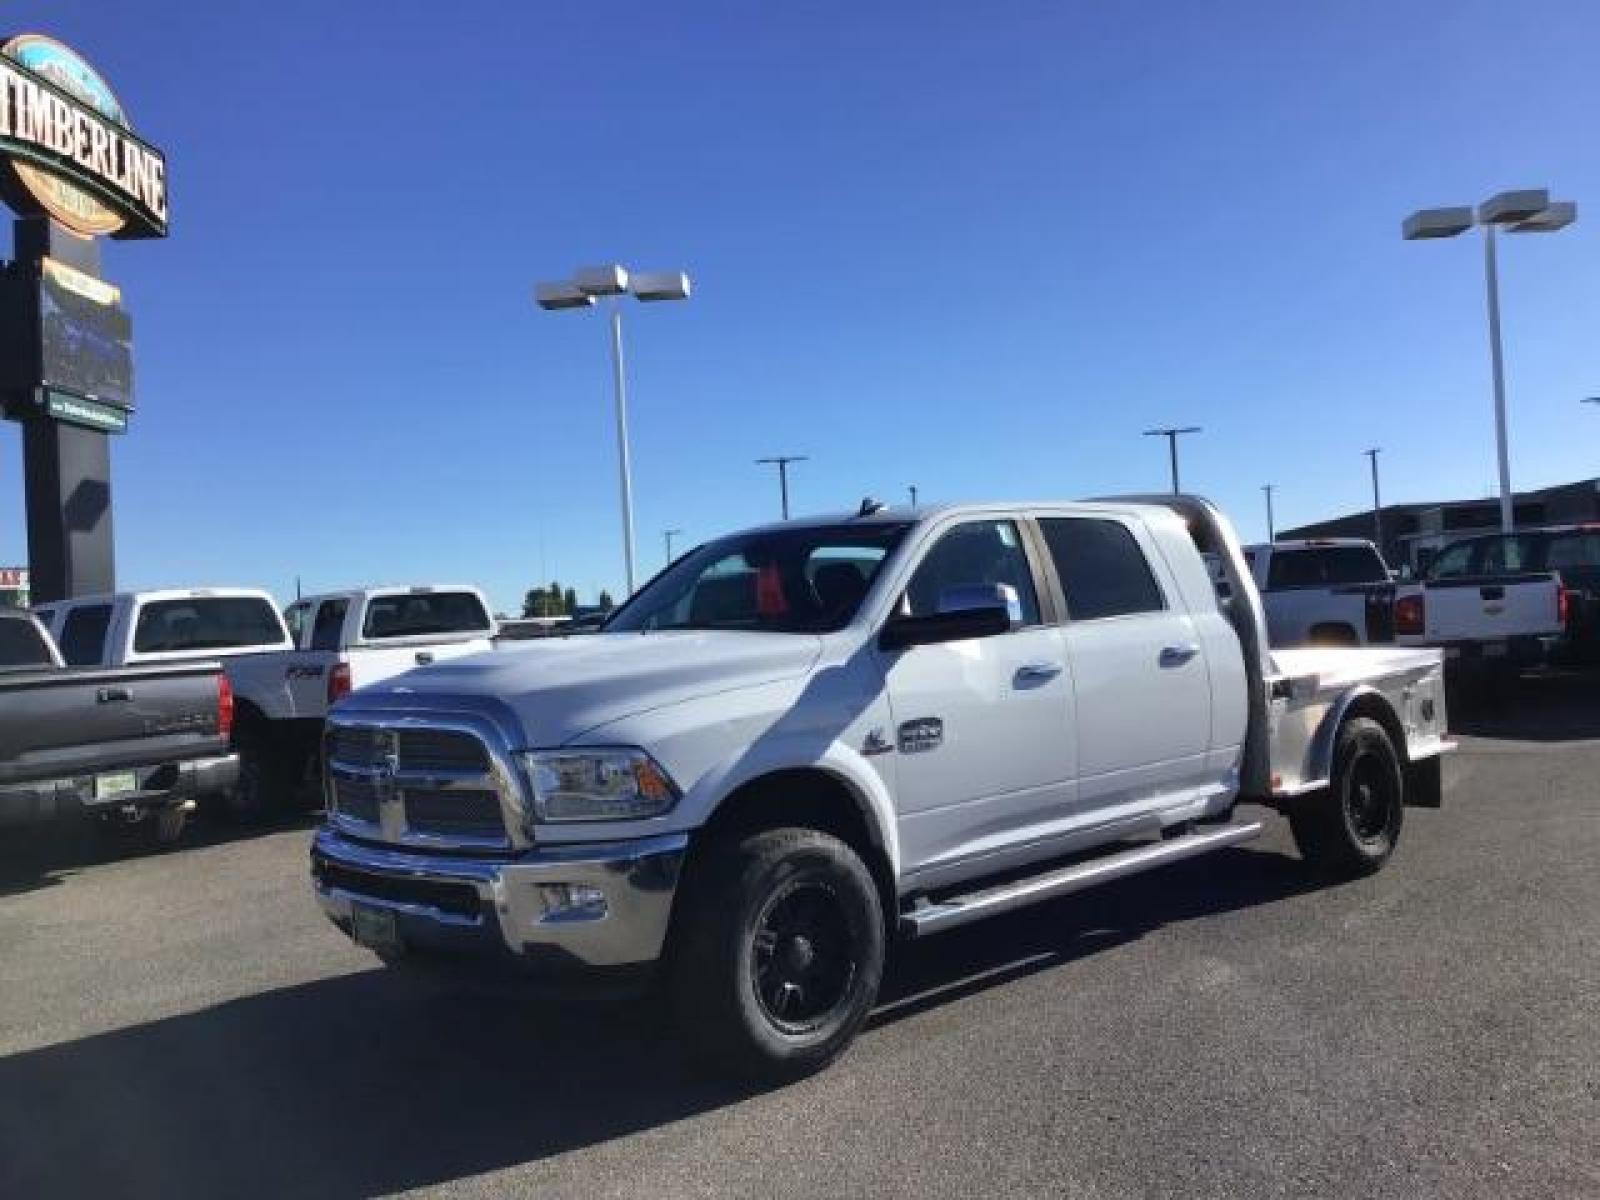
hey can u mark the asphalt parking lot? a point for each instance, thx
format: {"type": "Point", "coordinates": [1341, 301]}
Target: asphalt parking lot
{"type": "Point", "coordinates": [187, 1024]}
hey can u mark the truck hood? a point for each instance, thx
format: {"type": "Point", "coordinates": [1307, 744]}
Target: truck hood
{"type": "Point", "coordinates": [560, 688]}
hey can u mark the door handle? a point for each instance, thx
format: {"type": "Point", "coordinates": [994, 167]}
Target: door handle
{"type": "Point", "coordinates": [1176, 656]}
{"type": "Point", "coordinates": [424, 657]}
{"type": "Point", "coordinates": [1037, 672]}
{"type": "Point", "coordinates": [107, 694]}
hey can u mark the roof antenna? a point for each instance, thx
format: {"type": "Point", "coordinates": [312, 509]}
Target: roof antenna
{"type": "Point", "coordinates": [870, 506]}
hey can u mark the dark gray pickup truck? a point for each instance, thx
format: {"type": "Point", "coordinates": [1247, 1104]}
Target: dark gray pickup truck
{"type": "Point", "coordinates": [126, 744]}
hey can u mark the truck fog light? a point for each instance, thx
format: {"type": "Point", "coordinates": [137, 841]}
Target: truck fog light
{"type": "Point", "coordinates": [572, 902]}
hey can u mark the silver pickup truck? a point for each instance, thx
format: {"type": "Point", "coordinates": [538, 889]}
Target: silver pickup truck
{"type": "Point", "coordinates": [801, 741]}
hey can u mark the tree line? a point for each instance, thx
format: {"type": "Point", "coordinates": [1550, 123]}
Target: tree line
{"type": "Point", "coordinates": [557, 601]}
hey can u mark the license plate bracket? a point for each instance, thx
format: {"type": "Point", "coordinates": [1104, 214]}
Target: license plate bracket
{"type": "Point", "coordinates": [376, 929]}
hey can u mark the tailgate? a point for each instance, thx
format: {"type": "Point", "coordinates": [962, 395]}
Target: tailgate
{"type": "Point", "coordinates": [1475, 610]}
{"type": "Point", "coordinates": [55, 724]}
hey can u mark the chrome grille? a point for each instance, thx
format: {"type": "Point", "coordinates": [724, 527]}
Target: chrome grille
{"type": "Point", "coordinates": [476, 814]}
{"type": "Point", "coordinates": [417, 784]}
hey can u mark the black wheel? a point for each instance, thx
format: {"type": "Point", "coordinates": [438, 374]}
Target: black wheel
{"type": "Point", "coordinates": [777, 951]}
{"type": "Point", "coordinates": [1352, 828]}
{"type": "Point", "coordinates": [265, 779]}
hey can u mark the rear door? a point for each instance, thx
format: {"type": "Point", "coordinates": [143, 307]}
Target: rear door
{"type": "Point", "coordinates": [1143, 692]}
{"type": "Point", "coordinates": [982, 727]}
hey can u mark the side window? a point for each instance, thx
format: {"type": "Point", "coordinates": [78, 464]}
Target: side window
{"type": "Point", "coordinates": [329, 625]}
{"type": "Point", "coordinates": [83, 636]}
{"type": "Point", "coordinates": [1454, 562]}
{"type": "Point", "coordinates": [978, 552]}
{"type": "Point", "coordinates": [1103, 571]}
{"type": "Point", "coordinates": [294, 619]}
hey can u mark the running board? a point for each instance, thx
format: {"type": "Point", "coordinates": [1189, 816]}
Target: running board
{"type": "Point", "coordinates": [974, 906]}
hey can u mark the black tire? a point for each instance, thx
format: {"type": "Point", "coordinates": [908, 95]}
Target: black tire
{"type": "Point", "coordinates": [777, 951]}
{"type": "Point", "coordinates": [265, 779]}
{"type": "Point", "coordinates": [1351, 828]}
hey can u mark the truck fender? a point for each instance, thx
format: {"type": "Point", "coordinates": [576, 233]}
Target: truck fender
{"type": "Point", "coordinates": [842, 762]}
{"type": "Point", "coordinates": [1362, 700]}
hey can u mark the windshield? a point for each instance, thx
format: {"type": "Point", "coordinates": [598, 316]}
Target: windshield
{"type": "Point", "coordinates": [206, 623]}
{"type": "Point", "coordinates": [808, 580]}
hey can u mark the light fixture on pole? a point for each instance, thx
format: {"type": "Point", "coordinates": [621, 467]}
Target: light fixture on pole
{"type": "Point", "coordinates": [1272, 529]}
{"type": "Point", "coordinates": [1527, 211]}
{"type": "Point", "coordinates": [612, 282]}
{"type": "Point", "coordinates": [782, 461]}
{"type": "Point", "coordinates": [1172, 434]}
{"type": "Point", "coordinates": [667, 536]}
{"type": "Point", "coordinates": [912, 488]}
{"type": "Point", "coordinates": [1377, 504]}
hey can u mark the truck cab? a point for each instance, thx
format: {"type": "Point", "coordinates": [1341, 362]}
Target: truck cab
{"type": "Point", "coordinates": [171, 625]}
{"type": "Point", "coordinates": [1324, 591]}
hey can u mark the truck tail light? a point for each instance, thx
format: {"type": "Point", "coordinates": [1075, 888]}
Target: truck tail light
{"type": "Point", "coordinates": [1563, 606]}
{"type": "Point", "coordinates": [224, 706]}
{"type": "Point", "coordinates": [338, 681]}
{"type": "Point", "coordinates": [1410, 613]}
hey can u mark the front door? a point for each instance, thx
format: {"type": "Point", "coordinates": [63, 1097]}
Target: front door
{"type": "Point", "coordinates": [982, 727]}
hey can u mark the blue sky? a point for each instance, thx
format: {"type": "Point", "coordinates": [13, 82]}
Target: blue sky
{"type": "Point", "coordinates": [973, 247]}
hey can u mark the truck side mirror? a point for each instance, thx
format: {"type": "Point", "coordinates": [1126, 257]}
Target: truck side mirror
{"type": "Point", "coordinates": [967, 611]}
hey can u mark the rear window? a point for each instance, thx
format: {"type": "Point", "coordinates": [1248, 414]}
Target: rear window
{"type": "Point", "coordinates": [22, 646]}
{"type": "Point", "coordinates": [1325, 566]}
{"type": "Point", "coordinates": [206, 623]}
{"type": "Point", "coordinates": [419, 614]}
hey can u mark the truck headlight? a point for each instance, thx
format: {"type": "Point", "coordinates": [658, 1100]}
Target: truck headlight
{"type": "Point", "coordinates": [597, 785]}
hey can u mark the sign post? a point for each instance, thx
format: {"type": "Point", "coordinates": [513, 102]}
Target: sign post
{"type": "Point", "coordinates": [74, 170]}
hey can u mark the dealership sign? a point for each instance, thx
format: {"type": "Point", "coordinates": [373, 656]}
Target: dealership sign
{"type": "Point", "coordinates": [72, 153]}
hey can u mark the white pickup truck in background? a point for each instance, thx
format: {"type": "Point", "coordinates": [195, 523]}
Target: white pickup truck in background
{"type": "Point", "coordinates": [1324, 592]}
{"type": "Point", "coordinates": [340, 641]}
{"type": "Point", "coordinates": [125, 629]}
{"type": "Point", "coordinates": [1490, 614]}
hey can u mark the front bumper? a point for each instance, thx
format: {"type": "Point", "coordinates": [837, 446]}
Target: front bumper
{"type": "Point", "coordinates": [166, 785]}
{"type": "Point", "coordinates": [519, 907]}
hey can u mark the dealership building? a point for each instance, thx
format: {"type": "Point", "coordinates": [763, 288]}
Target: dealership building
{"type": "Point", "coordinates": [1413, 533]}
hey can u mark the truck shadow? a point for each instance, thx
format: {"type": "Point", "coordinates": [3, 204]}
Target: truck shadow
{"type": "Point", "coordinates": [1544, 706]}
{"type": "Point", "coordinates": [364, 1084]}
{"type": "Point", "coordinates": [41, 856]}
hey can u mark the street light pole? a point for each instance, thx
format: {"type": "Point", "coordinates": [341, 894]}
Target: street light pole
{"type": "Point", "coordinates": [1172, 434]}
{"type": "Point", "coordinates": [782, 462]}
{"type": "Point", "coordinates": [1272, 529]}
{"type": "Point", "coordinates": [913, 490]}
{"type": "Point", "coordinates": [1377, 504]}
{"type": "Point", "coordinates": [667, 535]}
{"type": "Point", "coordinates": [1527, 211]}
{"type": "Point", "coordinates": [624, 460]}
{"type": "Point", "coordinates": [581, 291]}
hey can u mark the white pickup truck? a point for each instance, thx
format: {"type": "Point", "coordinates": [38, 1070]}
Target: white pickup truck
{"type": "Point", "coordinates": [340, 641]}
{"type": "Point", "coordinates": [1324, 592]}
{"type": "Point", "coordinates": [284, 670]}
{"type": "Point", "coordinates": [1489, 610]}
{"type": "Point", "coordinates": [800, 741]}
